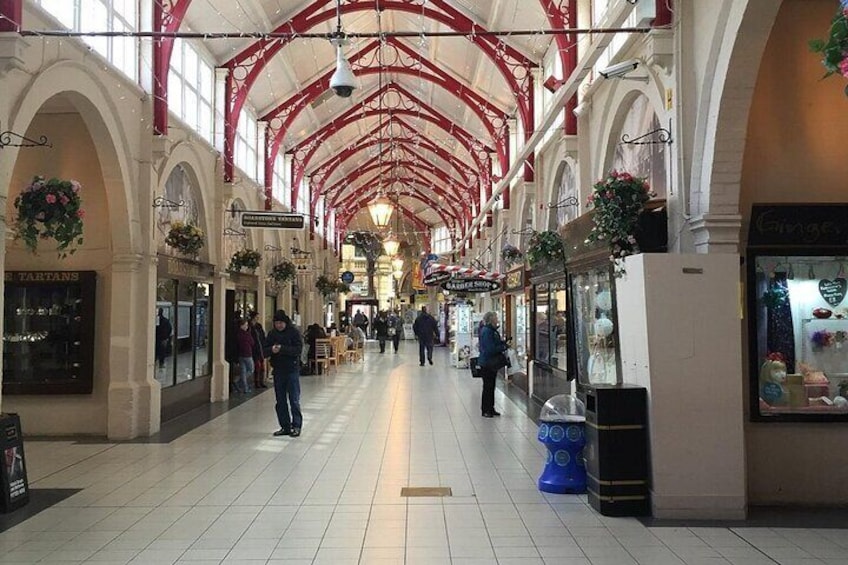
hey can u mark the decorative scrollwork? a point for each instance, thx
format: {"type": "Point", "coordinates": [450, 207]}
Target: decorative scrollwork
{"type": "Point", "coordinates": [231, 232]}
{"type": "Point", "coordinates": [564, 203]}
{"type": "Point", "coordinates": [659, 136]}
{"type": "Point", "coordinates": [10, 138]}
{"type": "Point", "coordinates": [162, 202]}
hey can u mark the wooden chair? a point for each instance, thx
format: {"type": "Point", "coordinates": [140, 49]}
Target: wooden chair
{"type": "Point", "coordinates": [339, 349]}
{"type": "Point", "coordinates": [323, 355]}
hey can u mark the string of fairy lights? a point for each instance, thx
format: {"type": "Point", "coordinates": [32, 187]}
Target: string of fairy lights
{"type": "Point", "coordinates": [243, 24]}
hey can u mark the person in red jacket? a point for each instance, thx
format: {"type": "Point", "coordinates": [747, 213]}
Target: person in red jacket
{"type": "Point", "coordinates": [244, 339]}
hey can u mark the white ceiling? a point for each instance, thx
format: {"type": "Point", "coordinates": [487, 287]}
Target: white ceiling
{"type": "Point", "coordinates": [304, 60]}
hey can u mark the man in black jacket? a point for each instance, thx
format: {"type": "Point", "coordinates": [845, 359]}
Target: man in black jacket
{"type": "Point", "coordinates": [283, 347]}
{"type": "Point", "coordinates": [425, 328]}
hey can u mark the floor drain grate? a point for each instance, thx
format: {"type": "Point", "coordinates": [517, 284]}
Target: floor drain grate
{"type": "Point", "coordinates": [425, 491]}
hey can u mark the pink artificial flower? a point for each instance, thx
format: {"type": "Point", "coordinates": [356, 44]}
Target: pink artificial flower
{"type": "Point", "coordinates": [647, 186]}
{"type": "Point", "coordinates": [80, 213]}
{"type": "Point", "coordinates": [64, 199]}
{"type": "Point", "coordinates": [609, 194]}
{"type": "Point", "coordinates": [626, 176]}
{"type": "Point", "coordinates": [75, 186]}
{"type": "Point", "coordinates": [843, 66]}
{"type": "Point", "coordinates": [591, 198]}
{"type": "Point", "coordinates": [38, 185]}
{"type": "Point", "coordinates": [50, 198]}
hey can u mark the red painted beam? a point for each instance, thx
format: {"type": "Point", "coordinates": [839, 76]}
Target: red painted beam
{"type": "Point", "coordinates": [11, 15]}
{"type": "Point", "coordinates": [665, 13]}
{"type": "Point", "coordinates": [247, 66]}
{"type": "Point", "coordinates": [167, 17]}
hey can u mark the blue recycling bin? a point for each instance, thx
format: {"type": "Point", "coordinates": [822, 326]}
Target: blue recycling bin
{"type": "Point", "coordinates": [562, 431]}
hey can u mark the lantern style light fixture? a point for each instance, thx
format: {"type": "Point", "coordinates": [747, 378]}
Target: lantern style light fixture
{"type": "Point", "coordinates": [397, 274]}
{"type": "Point", "coordinates": [397, 264]}
{"type": "Point", "coordinates": [381, 212]}
{"type": "Point", "coordinates": [391, 245]}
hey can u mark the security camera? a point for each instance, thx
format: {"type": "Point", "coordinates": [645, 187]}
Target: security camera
{"type": "Point", "coordinates": [343, 81]}
{"type": "Point", "coordinates": [620, 69]}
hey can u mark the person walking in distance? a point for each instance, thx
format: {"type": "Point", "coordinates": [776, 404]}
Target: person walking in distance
{"type": "Point", "coordinates": [360, 320]}
{"type": "Point", "coordinates": [163, 337]}
{"type": "Point", "coordinates": [258, 334]}
{"type": "Point", "coordinates": [395, 330]}
{"type": "Point", "coordinates": [381, 328]}
{"type": "Point", "coordinates": [244, 339]}
{"type": "Point", "coordinates": [425, 329]}
{"type": "Point", "coordinates": [283, 347]}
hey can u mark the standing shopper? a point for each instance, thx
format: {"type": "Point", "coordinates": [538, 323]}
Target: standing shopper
{"type": "Point", "coordinates": [425, 328]}
{"type": "Point", "coordinates": [492, 350]}
{"type": "Point", "coordinates": [381, 328]}
{"type": "Point", "coordinates": [283, 347]}
{"type": "Point", "coordinates": [245, 354]}
{"type": "Point", "coordinates": [258, 334]}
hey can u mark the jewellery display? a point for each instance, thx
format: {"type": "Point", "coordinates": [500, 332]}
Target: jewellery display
{"type": "Point", "coordinates": [48, 332]}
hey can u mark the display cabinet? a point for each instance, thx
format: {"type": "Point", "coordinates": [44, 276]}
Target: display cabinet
{"type": "Point", "coordinates": [48, 339]}
{"type": "Point", "coordinates": [798, 312]}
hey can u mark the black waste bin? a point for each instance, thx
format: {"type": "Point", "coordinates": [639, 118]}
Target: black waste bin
{"type": "Point", "coordinates": [13, 470]}
{"type": "Point", "coordinates": [617, 449]}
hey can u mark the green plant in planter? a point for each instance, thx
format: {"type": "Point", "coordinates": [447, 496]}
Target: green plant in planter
{"type": "Point", "coordinates": [325, 286]}
{"type": "Point", "coordinates": [834, 50]}
{"type": "Point", "coordinates": [185, 238]}
{"type": "Point", "coordinates": [245, 259]}
{"type": "Point", "coordinates": [618, 199]}
{"type": "Point", "coordinates": [545, 247]}
{"type": "Point", "coordinates": [50, 208]}
{"type": "Point", "coordinates": [283, 272]}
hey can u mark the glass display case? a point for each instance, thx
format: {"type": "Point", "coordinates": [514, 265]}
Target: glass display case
{"type": "Point", "coordinates": [48, 339]}
{"type": "Point", "coordinates": [798, 312]}
{"type": "Point", "coordinates": [597, 360]}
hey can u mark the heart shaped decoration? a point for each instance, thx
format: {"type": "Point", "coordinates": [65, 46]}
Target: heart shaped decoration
{"type": "Point", "coordinates": [833, 291]}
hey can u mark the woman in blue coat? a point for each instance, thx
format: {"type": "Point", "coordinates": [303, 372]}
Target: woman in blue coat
{"type": "Point", "coordinates": [491, 345]}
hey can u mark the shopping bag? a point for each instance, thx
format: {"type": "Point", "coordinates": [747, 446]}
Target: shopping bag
{"type": "Point", "coordinates": [514, 366]}
{"type": "Point", "coordinates": [475, 370]}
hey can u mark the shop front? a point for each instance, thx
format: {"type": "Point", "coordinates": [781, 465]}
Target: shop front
{"type": "Point", "coordinates": [183, 330]}
{"type": "Point", "coordinates": [514, 323]}
{"type": "Point", "coordinates": [549, 337]}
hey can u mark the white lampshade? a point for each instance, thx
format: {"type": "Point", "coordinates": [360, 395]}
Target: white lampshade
{"type": "Point", "coordinates": [381, 209]}
{"type": "Point", "coordinates": [391, 245]}
{"type": "Point", "coordinates": [397, 263]}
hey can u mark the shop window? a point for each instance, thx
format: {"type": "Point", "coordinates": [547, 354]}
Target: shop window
{"type": "Point", "coordinates": [596, 347]}
{"type": "Point", "coordinates": [182, 331]}
{"type": "Point", "coordinates": [557, 332]}
{"type": "Point", "coordinates": [801, 335]}
{"type": "Point", "coordinates": [543, 341]}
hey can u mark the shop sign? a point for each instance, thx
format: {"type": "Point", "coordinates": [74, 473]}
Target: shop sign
{"type": "Point", "coordinates": [437, 277]}
{"type": "Point", "coordinates": [514, 280]}
{"type": "Point", "coordinates": [243, 280]}
{"type": "Point", "coordinates": [176, 268]}
{"type": "Point", "coordinates": [42, 276]}
{"type": "Point", "coordinates": [347, 277]}
{"type": "Point", "coordinates": [833, 291]}
{"type": "Point", "coordinates": [776, 224]}
{"type": "Point", "coordinates": [471, 285]}
{"type": "Point", "coordinates": [272, 220]}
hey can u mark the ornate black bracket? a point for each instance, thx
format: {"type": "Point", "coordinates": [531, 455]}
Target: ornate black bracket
{"type": "Point", "coordinates": [230, 232]}
{"type": "Point", "coordinates": [162, 202]}
{"type": "Point", "coordinates": [300, 252]}
{"type": "Point", "coordinates": [269, 247]}
{"type": "Point", "coordinates": [9, 138]}
{"type": "Point", "coordinates": [660, 136]}
{"type": "Point", "coordinates": [525, 231]}
{"type": "Point", "coordinates": [564, 203]}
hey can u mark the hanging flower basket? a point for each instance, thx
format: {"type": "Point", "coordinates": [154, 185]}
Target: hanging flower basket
{"type": "Point", "coordinates": [325, 286]}
{"type": "Point", "coordinates": [511, 255]}
{"type": "Point", "coordinates": [248, 259]}
{"type": "Point", "coordinates": [283, 272]}
{"type": "Point", "coordinates": [544, 248]}
{"type": "Point", "coordinates": [185, 238]}
{"type": "Point", "coordinates": [50, 208]}
{"type": "Point", "coordinates": [618, 200]}
{"type": "Point", "coordinates": [834, 50]}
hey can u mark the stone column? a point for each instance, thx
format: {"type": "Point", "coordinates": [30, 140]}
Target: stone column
{"type": "Point", "coordinates": [220, 386]}
{"type": "Point", "coordinates": [134, 395]}
{"type": "Point", "coordinates": [716, 233]}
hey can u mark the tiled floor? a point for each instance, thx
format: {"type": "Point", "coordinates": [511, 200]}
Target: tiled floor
{"type": "Point", "coordinates": [229, 492]}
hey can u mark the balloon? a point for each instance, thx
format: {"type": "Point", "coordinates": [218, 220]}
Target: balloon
{"type": "Point", "coordinates": [604, 300]}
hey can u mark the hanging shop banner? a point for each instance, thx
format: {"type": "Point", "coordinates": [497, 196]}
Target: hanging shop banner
{"type": "Point", "coordinates": [272, 220]}
{"type": "Point", "coordinates": [471, 285]}
{"type": "Point", "coordinates": [515, 280]}
{"type": "Point", "coordinates": [464, 272]}
{"type": "Point", "coordinates": [436, 278]}
{"type": "Point", "coordinates": [417, 277]}
{"type": "Point", "coordinates": [176, 268]}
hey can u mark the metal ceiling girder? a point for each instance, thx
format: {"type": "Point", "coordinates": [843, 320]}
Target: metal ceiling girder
{"type": "Point", "coordinates": [561, 15]}
{"type": "Point", "coordinates": [246, 66]}
{"type": "Point", "coordinates": [337, 190]}
{"type": "Point", "coordinates": [304, 151]}
{"type": "Point", "coordinates": [454, 207]}
{"type": "Point", "coordinates": [402, 60]}
{"type": "Point", "coordinates": [11, 15]}
{"type": "Point", "coordinates": [167, 17]}
{"type": "Point", "coordinates": [408, 136]}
